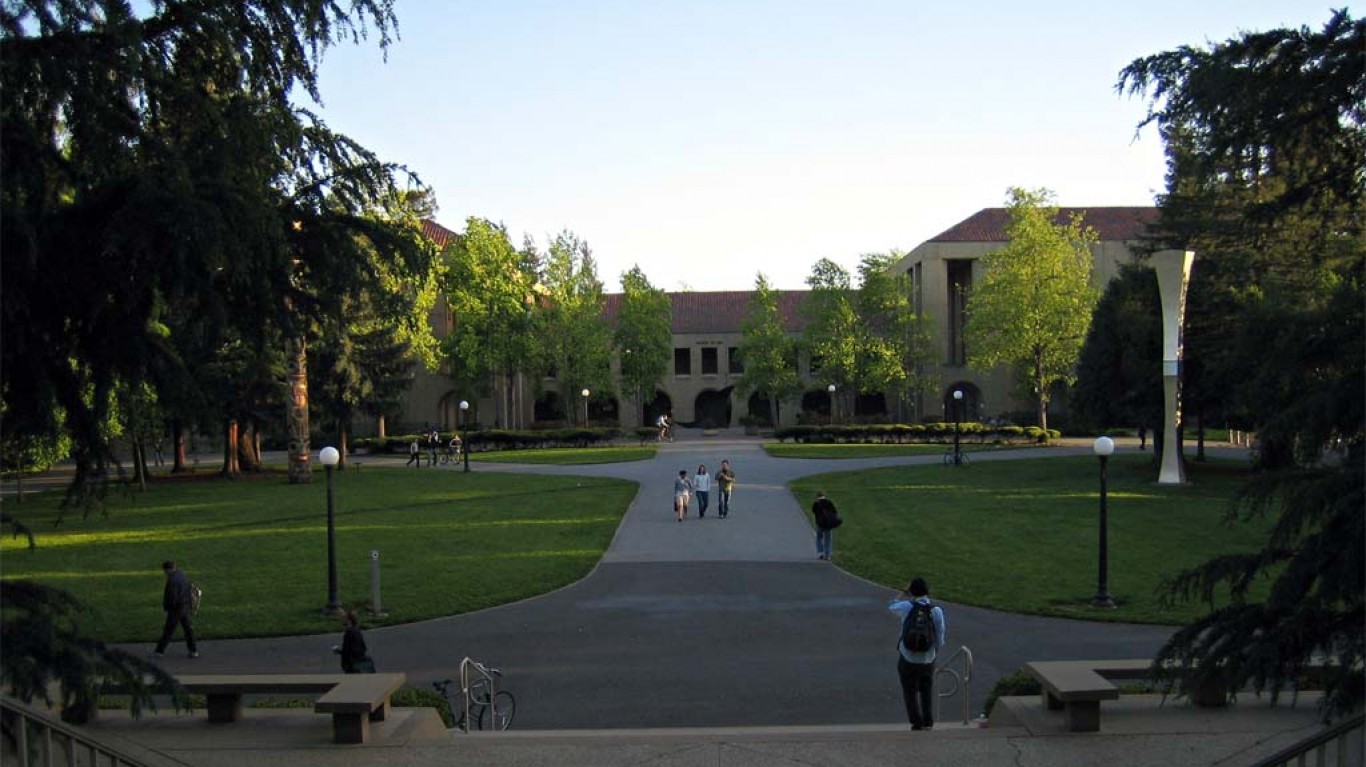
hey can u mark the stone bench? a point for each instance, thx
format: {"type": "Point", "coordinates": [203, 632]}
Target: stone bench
{"type": "Point", "coordinates": [1078, 686]}
{"type": "Point", "coordinates": [353, 700]}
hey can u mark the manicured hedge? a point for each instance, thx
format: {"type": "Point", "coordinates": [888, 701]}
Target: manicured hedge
{"type": "Point", "coordinates": [494, 439]}
{"type": "Point", "coordinates": [900, 433]}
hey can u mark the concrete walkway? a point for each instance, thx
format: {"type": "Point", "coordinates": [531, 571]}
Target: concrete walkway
{"type": "Point", "coordinates": [708, 623]}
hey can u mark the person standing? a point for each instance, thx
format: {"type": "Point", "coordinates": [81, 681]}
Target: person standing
{"type": "Point", "coordinates": [355, 656]}
{"type": "Point", "coordinates": [178, 602]}
{"type": "Point", "coordinates": [433, 444]}
{"type": "Point", "coordinates": [922, 636]}
{"type": "Point", "coordinates": [725, 483]}
{"type": "Point", "coordinates": [682, 494]}
{"type": "Point", "coordinates": [414, 455]}
{"type": "Point", "coordinates": [701, 483]}
{"type": "Point", "coordinates": [827, 519]}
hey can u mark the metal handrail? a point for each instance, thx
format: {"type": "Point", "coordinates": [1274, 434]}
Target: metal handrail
{"type": "Point", "coordinates": [483, 671]}
{"type": "Point", "coordinates": [964, 682]}
{"type": "Point", "coordinates": [51, 734]}
{"type": "Point", "coordinates": [1318, 745]}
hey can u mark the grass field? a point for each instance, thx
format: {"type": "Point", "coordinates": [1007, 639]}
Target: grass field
{"type": "Point", "coordinates": [1023, 535]}
{"type": "Point", "coordinates": [449, 543]}
{"type": "Point", "coordinates": [568, 456]}
{"type": "Point", "coordinates": [781, 450]}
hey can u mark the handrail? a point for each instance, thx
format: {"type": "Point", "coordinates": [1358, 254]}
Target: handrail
{"type": "Point", "coordinates": [54, 734]}
{"type": "Point", "coordinates": [481, 670]}
{"type": "Point", "coordinates": [965, 682]}
{"type": "Point", "coordinates": [1317, 744]}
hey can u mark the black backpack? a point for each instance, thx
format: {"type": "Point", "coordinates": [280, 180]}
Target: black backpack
{"type": "Point", "coordinates": [917, 630]}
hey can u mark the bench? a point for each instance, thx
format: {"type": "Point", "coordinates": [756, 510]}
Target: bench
{"type": "Point", "coordinates": [1078, 686]}
{"type": "Point", "coordinates": [353, 700]}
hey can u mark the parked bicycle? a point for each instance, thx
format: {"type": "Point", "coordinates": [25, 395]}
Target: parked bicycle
{"type": "Point", "coordinates": [478, 700]}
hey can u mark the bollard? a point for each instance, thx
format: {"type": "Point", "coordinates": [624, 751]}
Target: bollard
{"type": "Point", "coordinates": [376, 609]}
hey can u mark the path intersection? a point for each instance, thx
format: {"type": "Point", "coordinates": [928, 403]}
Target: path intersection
{"type": "Point", "coordinates": [708, 623]}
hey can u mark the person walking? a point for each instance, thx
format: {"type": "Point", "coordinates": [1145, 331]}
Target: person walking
{"type": "Point", "coordinates": [178, 601]}
{"type": "Point", "coordinates": [922, 636]}
{"type": "Point", "coordinates": [827, 519]}
{"type": "Point", "coordinates": [725, 483]}
{"type": "Point", "coordinates": [701, 483]}
{"type": "Point", "coordinates": [355, 656]}
{"type": "Point", "coordinates": [414, 455]}
{"type": "Point", "coordinates": [682, 494]}
{"type": "Point", "coordinates": [433, 444]}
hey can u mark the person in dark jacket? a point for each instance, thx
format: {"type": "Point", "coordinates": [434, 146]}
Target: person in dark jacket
{"type": "Point", "coordinates": [827, 519]}
{"type": "Point", "coordinates": [355, 656]}
{"type": "Point", "coordinates": [177, 601]}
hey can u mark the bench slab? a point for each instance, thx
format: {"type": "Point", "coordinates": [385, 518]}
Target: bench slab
{"type": "Point", "coordinates": [353, 700]}
{"type": "Point", "coordinates": [1078, 687]}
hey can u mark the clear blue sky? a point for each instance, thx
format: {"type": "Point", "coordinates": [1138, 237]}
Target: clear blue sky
{"type": "Point", "coordinates": [707, 141]}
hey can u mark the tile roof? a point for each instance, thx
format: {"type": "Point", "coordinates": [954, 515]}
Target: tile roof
{"type": "Point", "coordinates": [989, 224]}
{"type": "Point", "coordinates": [437, 233]}
{"type": "Point", "coordinates": [719, 311]}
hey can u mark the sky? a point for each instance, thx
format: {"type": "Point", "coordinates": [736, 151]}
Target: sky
{"type": "Point", "coordinates": [708, 141]}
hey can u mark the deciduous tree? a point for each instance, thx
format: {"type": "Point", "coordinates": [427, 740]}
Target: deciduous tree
{"type": "Point", "coordinates": [643, 336]}
{"type": "Point", "coordinates": [767, 350]}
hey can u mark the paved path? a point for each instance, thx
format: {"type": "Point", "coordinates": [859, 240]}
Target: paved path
{"type": "Point", "coordinates": [706, 623]}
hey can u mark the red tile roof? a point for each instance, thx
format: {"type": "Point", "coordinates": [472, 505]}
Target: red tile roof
{"type": "Point", "coordinates": [989, 224]}
{"type": "Point", "coordinates": [437, 233]}
{"type": "Point", "coordinates": [720, 311]}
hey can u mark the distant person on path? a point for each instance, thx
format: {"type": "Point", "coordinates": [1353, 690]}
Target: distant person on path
{"type": "Point", "coordinates": [177, 601]}
{"type": "Point", "coordinates": [1143, 438]}
{"type": "Point", "coordinates": [414, 455]}
{"type": "Point", "coordinates": [701, 483]}
{"type": "Point", "coordinates": [827, 519]}
{"type": "Point", "coordinates": [725, 482]}
{"type": "Point", "coordinates": [355, 656]}
{"type": "Point", "coordinates": [922, 635]}
{"type": "Point", "coordinates": [663, 423]}
{"type": "Point", "coordinates": [682, 494]}
{"type": "Point", "coordinates": [433, 444]}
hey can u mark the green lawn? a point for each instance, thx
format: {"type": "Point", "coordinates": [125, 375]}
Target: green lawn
{"type": "Point", "coordinates": [1022, 535]}
{"type": "Point", "coordinates": [818, 450]}
{"type": "Point", "coordinates": [571, 456]}
{"type": "Point", "coordinates": [449, 543]}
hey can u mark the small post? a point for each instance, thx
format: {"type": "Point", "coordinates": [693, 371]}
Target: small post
{"type": "Point", "coordinates": [376, 609]}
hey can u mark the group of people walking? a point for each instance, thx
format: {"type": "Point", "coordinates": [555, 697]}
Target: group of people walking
{"type": "Point", "coordinates": [699, 486]}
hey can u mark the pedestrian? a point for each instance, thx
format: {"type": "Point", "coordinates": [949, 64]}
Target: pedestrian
{"type": "Point", "coordinates": [433, 443]}
{"type": "Point", "coordinates": [922, 636]}
{"type": "Point", "coordinates": [682, 494]}
{"type": "Point", "coordinates": [1143, 438]}
{"type": "Point", "coordinates": [725, 482]}
{"type": "Point", "coordinates": [414, 454]}
{"type": "Point", "coordinates": [178, 601]}
{"type": "Point", "coordinates": [827, 519]}
{"type": "Point", "coordinates": [355, 656]}
{"type": "Point", "coordinates": [701, 483]}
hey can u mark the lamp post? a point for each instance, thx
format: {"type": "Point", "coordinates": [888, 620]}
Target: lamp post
{"type": "Point", "coordinates": [464, 438]}
{"type": "Point", "coordinates": [957, 419]}
{"type": "Point", "coordinates": [831, 391]}
{"type": "Point", "coordinates": [1103, 447]}
{"type": "Point", "coordinates": [329, 457]}
{"type": "Point", "coordinates": [585, 394]}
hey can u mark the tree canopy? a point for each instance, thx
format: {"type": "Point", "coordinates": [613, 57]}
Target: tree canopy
{"type": "Point", "coordinates": [1266, 148]}
{"type": "Point", "coordinates": [1032, 306]}
{"type": "Point", "coordinates": [643, 336]}
{"type": "Point", "coordinates": [768, 352]}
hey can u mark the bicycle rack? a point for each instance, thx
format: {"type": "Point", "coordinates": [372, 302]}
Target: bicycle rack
{"type": "Point", "coordinates": [964, 681]}
{"type": "Point", "coordinates": [479, 668]}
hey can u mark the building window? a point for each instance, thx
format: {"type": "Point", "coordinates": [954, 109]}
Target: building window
{"type": "Point", "coordinates": [736, 365]}
{"type": "Point", "coordinates": [683, 362]}
{"type": "Point", "coordinates": [709, 366]}
{"type": "Point", "coordinates": [960, 282]}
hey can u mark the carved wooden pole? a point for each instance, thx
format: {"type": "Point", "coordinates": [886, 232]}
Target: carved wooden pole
{"type": "Point", "coordinates": [299, 473]}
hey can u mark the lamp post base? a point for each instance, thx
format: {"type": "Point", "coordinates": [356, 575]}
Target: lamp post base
{"type": "Point", "coordinates": [333, 610]}
{"type": "Point", "coordinates": [1103, 602]}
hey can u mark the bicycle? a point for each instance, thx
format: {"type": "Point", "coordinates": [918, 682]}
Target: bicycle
{"type": "Point", "coordinates": [956, 459]}
{"type": "Point", "coordinates": [480, 701]}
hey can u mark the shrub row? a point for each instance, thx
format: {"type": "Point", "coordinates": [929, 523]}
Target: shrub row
{"type": "Point", "coordinates": [901, 433]}
{"type": "Point", "coordinates": [493, 439]}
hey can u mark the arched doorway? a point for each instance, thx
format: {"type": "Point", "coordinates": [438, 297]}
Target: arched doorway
{"type": "Point", "coordinates": [660, 404]}
{"type": "Point", "coordinates": [874, 404]}
{"type": "Point", "coordinates": [713, 408]}
{"type": "Point", "coordinates": [602, 412]}
{"type": "Point", "coordinates": [758, 409]}
{"type": "Point", "coordinates": [816, 406]}
{"type": "Point", "coordinates": [548, 407]}
{"type": "Point", "coordinates": [970, 406]}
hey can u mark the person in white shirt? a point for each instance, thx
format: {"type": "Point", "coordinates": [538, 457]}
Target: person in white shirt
{"type": "Point", "coordinates": [701, 483]}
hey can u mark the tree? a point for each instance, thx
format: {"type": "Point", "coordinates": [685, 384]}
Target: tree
{"type": "Point", "coordinates": [1033, 305]}
{"type": "Point", "coordinates": [896, 346]}
{"type": "Point", "coordinates": [1266, 178]}
{"type": "Point", "coordinates": [158, 161]}
{"type": "Point", "coordinates": [644, 335]}
{"type": "Point", "coordinates": [575, 339]}
{"type": "Point", "coordinates": [1119, 381]}
{"type": "Point", "coordinates": [767, 350]}
{"type": "Point", "coordinates": [832, 335]}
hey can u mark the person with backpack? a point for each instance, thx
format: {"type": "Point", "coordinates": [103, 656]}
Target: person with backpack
{"type": "Point", "coordinates": [178, 600]}
{"type": "Point", "coordinates": [827, 519]}
{"type": "Point", "coordinates": [922, 636]}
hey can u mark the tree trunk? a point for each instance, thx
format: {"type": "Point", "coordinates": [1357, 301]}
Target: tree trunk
{"type": "Point", "coordinates": [249, 448]}
{"type": "Point", "coordinates": [140, 464]}
{"type": "Point", "coordinates": [178, 447]}
{"type": "Point", "coordinates": [231, 468]}
{"type": "Point", "coordinates": [299, 451]}
{"type": "Point", "coordinates": [380, 428]}
{"type": "Point", "coordinates": [1041, 392]}
{"type": "Point", "coordinates": [343, 442]}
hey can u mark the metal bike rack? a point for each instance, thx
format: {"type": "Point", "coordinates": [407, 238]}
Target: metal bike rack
{"type": "Point", "coordinates": [479, 668]}
{"type": "Point", "coordinates": [963, 681]}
